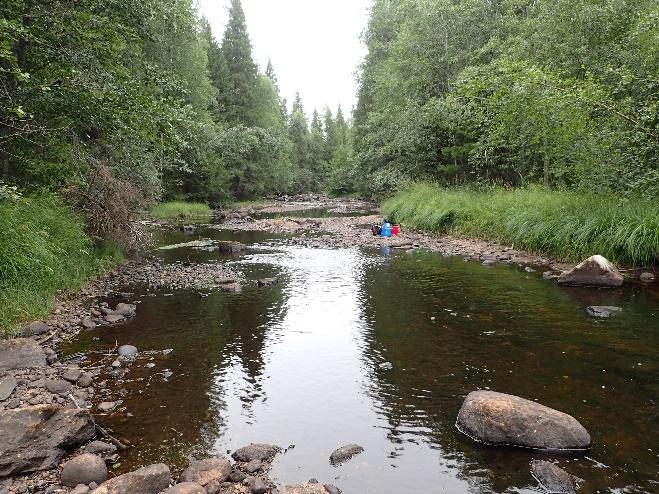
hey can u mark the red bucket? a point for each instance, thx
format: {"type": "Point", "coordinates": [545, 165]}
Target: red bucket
{"type": "Point", "coordinates": [395, 229]}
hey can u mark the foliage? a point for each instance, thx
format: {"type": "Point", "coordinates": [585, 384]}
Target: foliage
{"type": "Point", "coordinates": [43, 249]}
{"type": "Point", "coordinates": [177, 209]}
{"type": "Point", "coordinates": [562, 93]}
{"type": "Point", "coordinates": [570, 225]}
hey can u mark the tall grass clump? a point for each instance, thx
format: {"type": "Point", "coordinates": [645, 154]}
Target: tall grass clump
{"type": "Point", "coordinates": [43, 249]}
{"type": "Point", "coordinates": [567, 224]}
{"type": "Point", "coordinates": [176, 209]}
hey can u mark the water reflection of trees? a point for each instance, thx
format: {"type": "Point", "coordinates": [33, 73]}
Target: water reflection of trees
{"type": "Point", "coordinates": [505, 330]}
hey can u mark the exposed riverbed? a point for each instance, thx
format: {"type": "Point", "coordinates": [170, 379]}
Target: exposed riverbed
{"type": "Point", "coordinates": [378, 345]}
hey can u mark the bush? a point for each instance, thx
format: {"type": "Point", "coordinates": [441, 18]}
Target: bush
{"type": "Point", "coordinates": [570, 225]}
{"type": "Point", "coordinates": [177, 209]}
{"type": "Point", "coordinates": [43, 249]}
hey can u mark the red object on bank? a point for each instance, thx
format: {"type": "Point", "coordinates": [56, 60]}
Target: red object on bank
{"type": "Point", "coordinates": [395, 229]}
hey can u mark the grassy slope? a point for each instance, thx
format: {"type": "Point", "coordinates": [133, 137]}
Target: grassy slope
{"type": "Point", "coordinates": [170, 210]}
{"type": "Point", "coordinates": [43, 249]}
{"type": "Point", "coordinates": [568, 225]}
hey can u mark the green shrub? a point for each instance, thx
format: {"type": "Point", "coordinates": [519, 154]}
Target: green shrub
{"type": "Point", "coordinates": [568, 224]}
{"type": "Point", "coordinates": [43, 249]}
{"type": "Point", "coordinates": [170, 210]}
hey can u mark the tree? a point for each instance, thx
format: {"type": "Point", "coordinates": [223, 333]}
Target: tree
{"type": "Point", "coordinates": [238, 99]}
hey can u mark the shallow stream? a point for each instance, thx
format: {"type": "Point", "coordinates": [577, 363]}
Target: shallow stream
{"type": "Point", "coordinates": [380, 348]}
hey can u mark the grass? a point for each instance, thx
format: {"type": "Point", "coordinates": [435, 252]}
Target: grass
{"type": "Point", "coordinates": [43, 249]}
{"type": "Point", "coordinates": [566, 224]}
{"type": "Point", "coordinates": [177, 209]}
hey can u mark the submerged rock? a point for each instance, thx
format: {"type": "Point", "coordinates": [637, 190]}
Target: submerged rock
{"type": "Point", "coordinates": [553, 479]}
{"type": "Point", "coordinates": [332, 489]}
{"type": "Point", "coordinates": [100, 447]}
{"type": "Point", "coordinates": [230, 246]}
{"type": "Point", "coordinates": [147, 480]}
{"type": "Point", "coordinates": [267, 282]}
{"type": "Point", "coordinates": [127, 310]}
{"type": "Point", "coordinates": [602, 310]}
{"type": "Point", "coordinates": [84, 469]}
{"type": "Point", "coordinates": [262, 452]}
{"type": "Point", "coordinates": [500, 419]}
{"type": "Point", "coordinates": [647, 277]}
{"type": "Point", "coordinates": [21, 353]}
{"type": "Point", "coordinates": [35, 438]}
{"type": "Point", "coordinates": [303, 489]}
{"type": "Point", "coordinates": [203, 472]}
{"type": "Point", "coordinates": [595, 271]}
{"type": "Point", "coordinates": [127, 350]}
{"type": "Point", "coordinates": [345, 453]}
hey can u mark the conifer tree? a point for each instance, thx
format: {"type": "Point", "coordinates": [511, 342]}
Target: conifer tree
{"type": "Point", "coordinates": [238, 101]}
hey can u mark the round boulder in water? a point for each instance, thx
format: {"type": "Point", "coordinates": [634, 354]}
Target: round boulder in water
{"type": "Point", "coordinates": [500, 419]}
{"type": "Point", "coordinates": [127, 351]}
{"type": "Point", "coordinates": [84, 469]}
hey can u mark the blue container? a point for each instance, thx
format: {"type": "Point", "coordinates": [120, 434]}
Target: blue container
{"type": "Point", "coordinates": [386, 230]}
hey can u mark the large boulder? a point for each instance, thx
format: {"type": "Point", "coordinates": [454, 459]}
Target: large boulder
{"type": "Point", "coordinates": [262, 452]}
{"type": "Point", "coordinates": [595, 271]}
{"type": "Point", "coordinates": [21, 353]}
{"type": "Point", "coordinates": [84, 469]}
{"type": "Point", "coordinates": [499, 419]}
{"type": "Point", "coordinates": [147, 480]}
{"type": "Point", "coordinates": [203, 472]}
{"type": "Point", "coordinates": [553, 479]}
{"type": "Point", "coordinates": [186, 488]}
{"type": "Point", "coordinates": [344, 453]}
{"type": "Point", "coordinates": [36, 438]}
{"type": "Point", "coordinates": [7, 386]}
{"type": "Point", "coordinates": [230, 246]}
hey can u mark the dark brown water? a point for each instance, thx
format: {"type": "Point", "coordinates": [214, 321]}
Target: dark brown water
{"type": "Point", "coordinates": [306, 363]}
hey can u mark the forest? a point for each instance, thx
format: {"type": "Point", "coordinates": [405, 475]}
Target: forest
{"type": "Point", "coordinates": [107, 108]}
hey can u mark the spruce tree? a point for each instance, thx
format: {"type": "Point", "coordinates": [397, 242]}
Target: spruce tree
{"type": "Point", "coordinates": [238, 101]}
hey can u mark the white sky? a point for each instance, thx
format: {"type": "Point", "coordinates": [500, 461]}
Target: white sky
{"type": "Point", "coordinates": [314, 45]}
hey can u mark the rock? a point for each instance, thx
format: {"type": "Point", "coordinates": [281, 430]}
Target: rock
{"type": "Point", "coordinates": [489, 262]}
{"type": "Point", "coordinates": [100, 447]}
{"type": "Point", "coordinates": [237, 476]}
{"type": "Point", "coordinates": [553, 479]}
{"type": "Point", "coordinates": [87, 322]}
{"type": "Point", "coordinates": [80, 489]}
{"type": "Point", "coordinates": [602, 310]}
{"type": "Point", "coordinates": [85, 380]}
{"type": "Point", "coordinates": [59, 386]}
{"type": "Point", "coordinates": [84, 469]}
{"type": "Point", "coordinates": [127, 310]}
{"type": "Point", "coordinates": [127, 351]}
{"type": "Point", "coordinates": [147, 480]}
{"type": "Point", "coordinates": [231, 288]}
{"type": "Point", "coordinates": [106, 406]}
{"type": "Point", "coordinates": [21, 353]}
{"type": "Point", "coordinates": [332, 489]}
{"type": "Point", "coordinates": [186, 488]}
{"type": "Point", "coordinates": [72, 375]}
{"type": "Point", "coordinates": [595, 271]}
{"type": "Point", "coordinates": [187, 228]}
{"type": "Point", "coordinates": [344, 453]}
{"type": "Point", "coordinates": [262, 452]}
{"type": "Point", "coordinates": [113, 318]}
{"type": "Point", "coordinates": [303, 489]}
{"type": "Point", "coordinates": [647, 277]}
{"type": "Point", "coordinates": [549, 275]}
{"type": "Point", "coordinates": [529, 269]}
{"type": "Point", "coordinates": [35, 328]}
{"type": "Point", "coordinates": [229, 246]}
{"type": "Point", "coordinates": [204, 471]}
{"type": "Point", "coordinates": [500, 419]}
{"type": "Point", "coordinates": [7, 386]}
{"type": "Point", "coordinates": [36, 438]}
{"type": "Point", "coordinates": [267, 282]}
{"type": "Point", "coordinates": [252, 466]}
{"type": "Point", "coordinates": [258, 486]}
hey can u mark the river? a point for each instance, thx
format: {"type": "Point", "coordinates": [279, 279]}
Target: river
{"type": "Point", "coordinates": [379, 348]}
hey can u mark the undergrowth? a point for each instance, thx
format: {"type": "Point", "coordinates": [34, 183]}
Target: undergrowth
{"type": "Point", "coordinates": [177, 209]}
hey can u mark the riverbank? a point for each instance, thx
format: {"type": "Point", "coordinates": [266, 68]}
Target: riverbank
{"type": "Point", "coordinates": [43, 251]}
{"type": "Point", "coordinates": [565, 225]}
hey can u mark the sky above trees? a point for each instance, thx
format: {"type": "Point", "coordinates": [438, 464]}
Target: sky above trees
{"type": "Point", "coordinates": [314, 45]}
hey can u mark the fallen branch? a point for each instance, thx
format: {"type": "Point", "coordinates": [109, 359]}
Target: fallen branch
{"type": "Point", "coordinates": [119, 444]}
